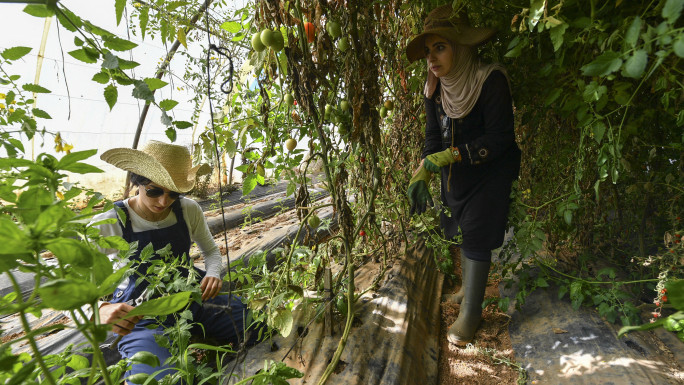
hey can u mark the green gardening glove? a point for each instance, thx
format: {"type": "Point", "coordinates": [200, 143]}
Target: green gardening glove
{"type": "Point", "coordinates": [418, 191]}
{"type": "Point", "coordinates": [435, 162]}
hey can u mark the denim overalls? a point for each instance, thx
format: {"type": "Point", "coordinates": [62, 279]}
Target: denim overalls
{"type": "Point", "coordinates": [224, 320]}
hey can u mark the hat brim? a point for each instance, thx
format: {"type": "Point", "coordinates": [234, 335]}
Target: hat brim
{"type": "Point", "coordinates": [145, 165]}
{"type": "Point", "coordinates": [468, 36]}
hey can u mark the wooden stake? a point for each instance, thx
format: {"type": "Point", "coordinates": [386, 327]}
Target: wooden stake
{"type": "Point", "coordinates": [327, 286]}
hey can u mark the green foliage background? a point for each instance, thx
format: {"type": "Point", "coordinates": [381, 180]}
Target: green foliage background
{"type": "Point", "coordinates": [598, 97]}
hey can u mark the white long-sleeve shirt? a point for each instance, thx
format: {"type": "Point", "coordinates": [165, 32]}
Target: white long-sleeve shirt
{"type": "Point", "coordinates": [194, 219]}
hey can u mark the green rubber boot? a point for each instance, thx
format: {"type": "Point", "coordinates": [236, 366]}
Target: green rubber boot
{"type": "Point", "coordinates": [458, 296]}
{"type": "Point", "coordinates": [463, 330]}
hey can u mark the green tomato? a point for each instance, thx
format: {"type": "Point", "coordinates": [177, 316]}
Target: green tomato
{"type": "Point", "coordinates": [344, 105]}
{"type": "Point", "coordinates": [290, 144]}
{"type": "Point", "coordinates": [341, 304]}
{"type": "Point", "coordinates": [256, 42]}
{"type": "Point", "coordinates": [268, 37]}
{"type": "Point", "coordinates": [343, 44]}
{"type": "Point", "coordinates": [278, 41]}
{"type": "Point", "coordinates": [334, 29]}
{"type": "Point", "coordinates": [383, 112]}
{"type": "Point", "coordinates": [328, 109]}
{"type": "Point", "coordinates": [314, 221]}
{"type": "Point", "coordinates": [289, 99]}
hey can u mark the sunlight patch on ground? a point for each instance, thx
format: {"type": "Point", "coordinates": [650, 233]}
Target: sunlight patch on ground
{"type": "Point", "coordinates": [580, 363]}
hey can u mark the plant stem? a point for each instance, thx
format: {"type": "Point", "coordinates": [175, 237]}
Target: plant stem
{"type": "Point", "coordinates": [27, 327]}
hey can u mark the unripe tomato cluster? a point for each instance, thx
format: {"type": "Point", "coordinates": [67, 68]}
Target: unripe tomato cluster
{"type": "Point", "coordinates": [268, 38]}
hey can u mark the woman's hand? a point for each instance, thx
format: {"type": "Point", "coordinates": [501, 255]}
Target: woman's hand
{"type": "Point", "coordinates": [114, 314]}
{"type": "Point", "coordinates": [210, 286]}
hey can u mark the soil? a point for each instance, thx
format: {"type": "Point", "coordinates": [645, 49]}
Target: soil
{"type": "Point", "coordinates": [490, 359]}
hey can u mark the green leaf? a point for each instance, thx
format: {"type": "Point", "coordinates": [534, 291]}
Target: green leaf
{"type": "Point", "coordinates": [35, 88]}
{"type": "Point", "coordinates": [119, 6]}
{"type": "Point", "coordinates": [171, 134]}
{"type": "Point", "coordinates": [632, 35]}
{"type": "Point", "coordinates": [648, 326]}
{"type": "Point", "coordinates": [678, 46]}
{"type": "Point", "coordinates": [556, 33]}
{"type": "Point", "coordinates": [168, 104]}
{"type": "Point", "coordinates": [111, 282]}
{"type": "Point", "coordinates": [182, 38]}
{"type": "Point", "coordinates": [230, 146]}
{"type": "Point", "coordinates": [50, 218]}
{"type": "Point", "coordinates": [117, 43]}
{"type": "Point", "coordinates": [567, 216]}
{"type": "Point", "coordinates": [71, 251]}
{"type": "Point", "coordinates": [101, 77]}
{"type": "Point", "coordinates": [69, 20]}
{"type": "Point", "coordinates": [113, 242]}
{"type": "Point", "coordinates": [110, 61]}
{"type": "Point", "coordinates": [66, 294]}
{"type": "Point", "coordinates": [142, 91]}
{"type": "Point", "coordinates": [291, 188]}
{"type": "Point", "coordinates": [162, 306]}
{"type": "Point", "coordinates": [84, 54]}
{"type": "Point", "coordinates": [672, 10]}
{"type": "Point", "coordinates": [38, 113]}
{"type": "Point", "coordinates": [536, 12]}
{"type": "Point", "coordinates": [110, 95]}
{"type": "Point", "coordinates": [82, 168]}
{"type": "Point", "coordinates": [154, 83]}
{"type": "Point", "coordinates": [605, 64]}
{"type": "Point", "coordinates": [553, 96]}
{"type": "Point", "coordinates": [598, 128]}
{"type": "Point", "coordinates": [35, 197]}
{"type": "Point", "coordinates": [249, 184]}
{"type": "Point", "coordinates": [165, 119]}
{"type": "Point", "coordinates": [74, 157]}
{"type": "Point", "coordinates": [144, 18]}
{"type": "Point", "coordinates": [182, 124]}
{"type": "Point", "coordinates": [13, 239]}
{"type": "Point", "coordinates": [282, 320]}
{"type": "Point", "coordinates": [636, 64]}
{"type": "Point", "coordinates": [102, 268]}
{"type": "Point", "coordinates": [675, 293]}
{"type": "Point", "coordinates": [127, 64]}
{"type": "Point", "coordinates": [15, 53]}
{"type": "Point", "coordinates": [38, 10]}
{"type": "Point", "coordinates": [232, 26]}
{"type": "Point", "coordinates": [77, 362]}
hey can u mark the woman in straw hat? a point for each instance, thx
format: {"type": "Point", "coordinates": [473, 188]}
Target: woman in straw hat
{"type": "Point", "coordinates": [159, 216]}
{"type": "Point", "coordinates": [470, 142]}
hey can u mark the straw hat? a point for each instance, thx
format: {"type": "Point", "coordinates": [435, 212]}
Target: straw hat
{"type": "Point", "coordinates": [167, 165]}
{"type": "Point", "coordinates": [456, 28]}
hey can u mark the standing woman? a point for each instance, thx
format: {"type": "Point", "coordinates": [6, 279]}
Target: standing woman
{"type": "Point", "coordinates": [159, 215]}
{"type": "Point", "coordinates": [470, 141]}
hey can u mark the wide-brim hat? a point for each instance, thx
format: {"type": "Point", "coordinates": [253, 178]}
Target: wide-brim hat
{"type": "Point", "coordinates": [456, 28]}
{"type": "Point", "coordinates": [165, 164]}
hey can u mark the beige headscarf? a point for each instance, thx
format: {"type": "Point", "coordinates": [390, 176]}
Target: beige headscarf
{"type": "Point", "coordinates": [462, 86]}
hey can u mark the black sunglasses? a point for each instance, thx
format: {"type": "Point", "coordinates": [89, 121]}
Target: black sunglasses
{"type": "Point", "coordinates": [156, 192]}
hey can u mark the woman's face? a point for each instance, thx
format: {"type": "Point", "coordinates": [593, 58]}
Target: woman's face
{"type": "Point", "coordinates": [439, 54]}
{"type": "Point", "coordinates": [158, 204]}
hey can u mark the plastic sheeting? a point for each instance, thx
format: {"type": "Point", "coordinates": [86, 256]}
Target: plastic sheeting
{"type": "Point", "coordinates": [394, 339]}
{"type": "Point", "coordinates": [557, 344]}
